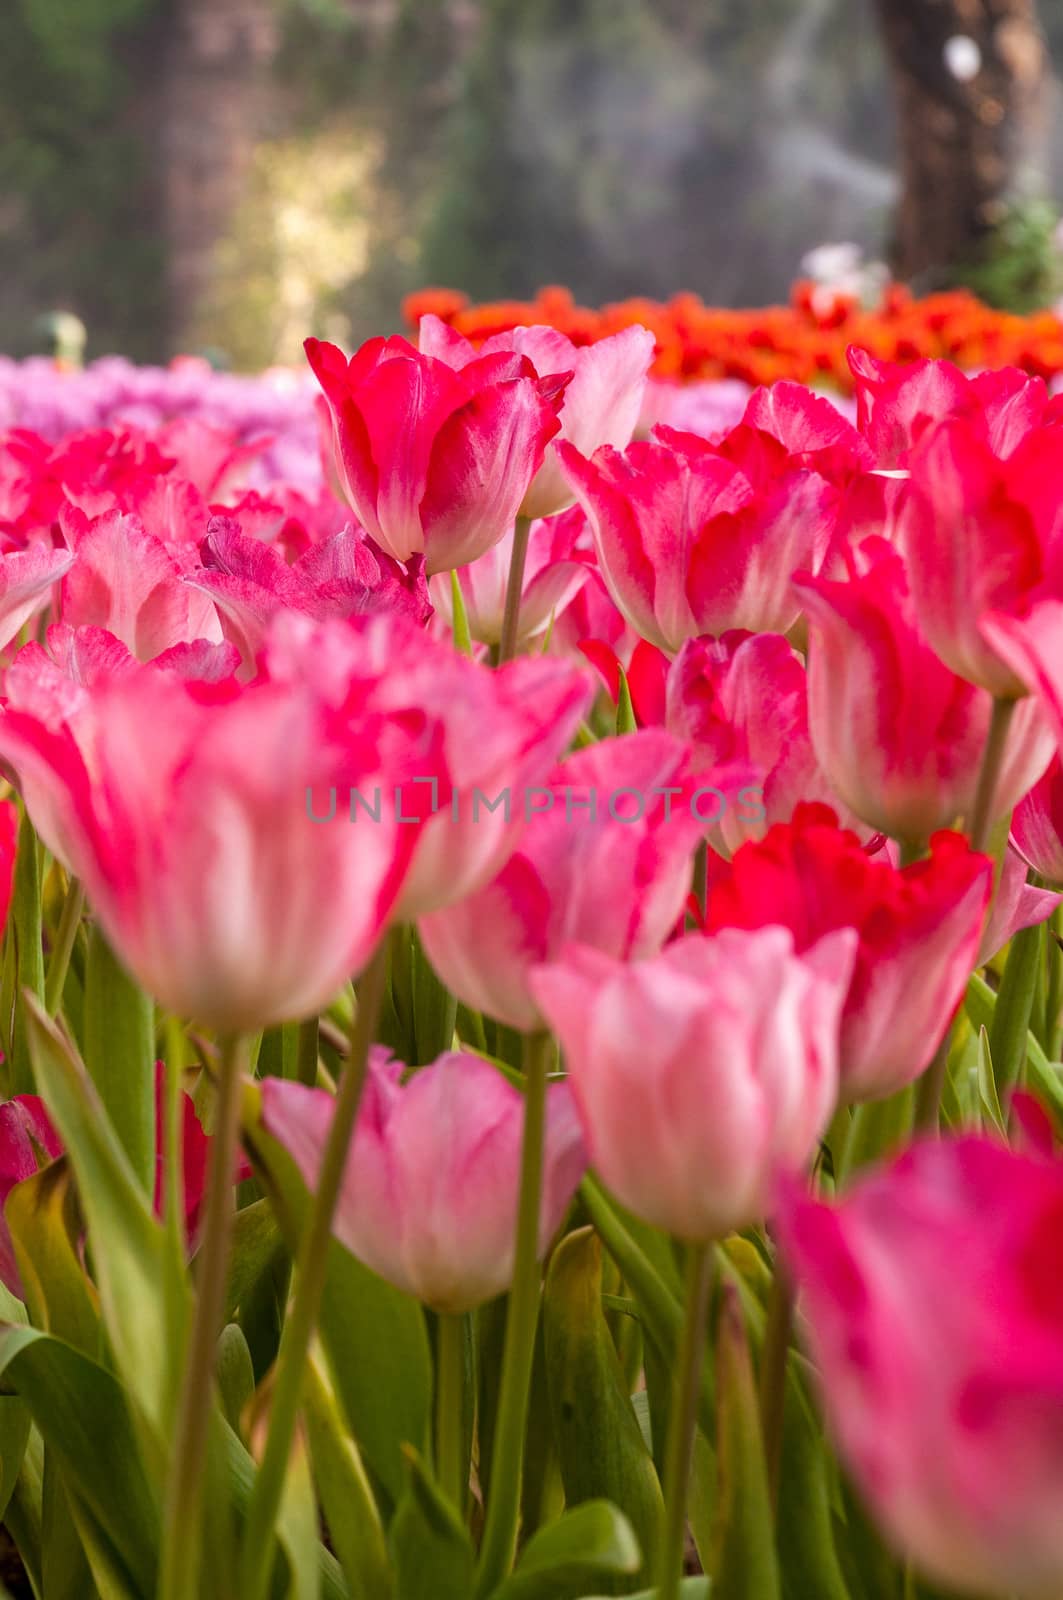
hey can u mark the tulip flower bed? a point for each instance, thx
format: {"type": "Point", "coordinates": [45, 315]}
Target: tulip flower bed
{"type": "Point", "coordinates": [806, 341]}
{"type": "Point", "coordinates": [531, 994]}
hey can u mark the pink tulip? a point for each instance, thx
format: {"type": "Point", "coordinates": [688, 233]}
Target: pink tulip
{"type": "Point", "coordinates": [1016, 904]}
{"type": "Point", "coordinates": [811, 430]}
{"type": "Point", "coordinates": [981, 537]}
{"type": "Point", "coordinates": [592, 617]}
{"type": "Point", "coordinates": [931, 1299]}
{"type": "Point", "coordinates": [213, 459]}
{"type": "Point", "coordinates": [690, 542]}
{"type": "Point", "coordinates": [429, 1197]}
{"type": "Point", "coordinates": [606, 859]}
{"type": "Point", "coordinates": [919, 930]}
{"type": "Point", "coordinates": [250, 582]}
{"type": "Point", "coordinates": [432, 460]}
{"type": "Point", "coordinates": [1037, 824]}
{"type": "Point", "coordinates": [1030, 647]}
{"type": "Point", "coordinates": [30, 494]}
{"type": "Point", "coordinates": [899, 735]}
{"type": "Point", "coordinates": [704, 1073]}
{"type": "Point", "coordinates": [743, 698]}
{"type": "Point", "coordinates": [27, 578]}
{"type": "Point", "coordinates": [182, 806]}
{"type": "Point", "coordinates": [898, 401]}
{"type": "Point", "coordinates": [498, 736]}
{"type": "Point", "coordinates": [554, 573]}
{"type": "Point", "coordinates": [127, 581]}
{"type": "Point", "coordinates": [602, 403]}
{"type": "Point", "coordinates": [8, 850]}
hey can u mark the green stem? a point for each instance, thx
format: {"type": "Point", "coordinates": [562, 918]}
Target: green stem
{"type": "Point", "coordinates": [507, 645]}
{"type": "Point", "coordinates": [503, 1505]}
{"type": "Point", "coordinates": [173, 1138]}
{"type": "Point", "coordinates": [773, 1374]}
{"type": "Point", "coordinates": [992, 759]}
{"type": "Point", "coordinates": [306, 1054]}
{"type": "Point", "coordinates": [66, 933]}
{"type": "Point", "coordinates": [450, 1408]}
{"type": "Point", "coordinates": [930, 1089]}
{"type": "Point", "coordinates": [1054, 993]}
{"type": "Point", "coordinates": [682, 1420]}
{"type": "Point", "coordinates": [310, 1270]}
{"type": "Point", "coordinates": [701, 875]}
{"type": "Point", "coordinates": [910, 851]}
{"type": "Point", "coordinates": [182, 1542]}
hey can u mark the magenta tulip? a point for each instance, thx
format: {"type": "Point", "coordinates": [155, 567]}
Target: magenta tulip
{"type": "Point", "coordinates": [898, 733]}
{"type": "Point", "coordinates": [931, 1297]}
{"type": "Point", "coordinates": [605, 859]}
{"type": "Point", "coordinates": [434, 461]}
{"type": "Point", "coordinates": [181, 805]}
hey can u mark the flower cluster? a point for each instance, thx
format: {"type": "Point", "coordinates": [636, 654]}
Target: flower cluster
{"type": "Point", "coordinates": [390, 1013]}
{"type": "Point", "coordinates": [805, 340]}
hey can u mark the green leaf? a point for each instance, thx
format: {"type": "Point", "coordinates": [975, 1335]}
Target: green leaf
{"type": "Point", "coordinates": [987, 1085]}
{"type": "Point", "coordinates": [235, 1374]}
{"type": "Point", "coordinates": [85, 1421]}
{"type": "Point", "coordinates": [374, 1336]}
{"type": "Point", "coordinates": [298, 1527]}
{"type": "Point", "coordinates": [689, 1589]}
{"type": "Point", "coordinates": [462, 636]}
{"type": "Point", "coordinates": [1044, 1075]}
{"type": "Point", "coordinates": [65, 1572]}
{"type": "Point", "coordinates": [744, 1565]}
{"type": "Point", "coordinates": [878, 1127]}
{"type": "Point", "coordinates": [256, 1241]}
{"type": "Point", "coordinates": [1009, 1028]}
{"type": "Point", "coordinates": [434, 1009]}
{"type": "Point", "coordinates": [45, 1223]}
{"type": "Point", "coordinates": [431, 1549]}
{"type": "Point", "coordinates": [144, 1306]}
{"type": "Point", "coordinates": [542, 1494]}
{"type": "Point", "coordinates": [14, 1437]}
{"type": "Point", "coordinates": [23, 1513]}
{"type": "Point", "coordinates": [625, 711]}
{"type": "Point", "coordinates": [593, 1538]}
{"type": "Point", "coordinates": [239, 1471]}
{"type": "Point", "coordinates": [805, 1535]}
{"type": "Point", "coordinates": [650, 1274]}
{"type": "Point", "coordinates": [26, 930]}
{"type": "Point", "coordinates": [345, 1492]}
{"type": "Point", "coordinates": [602, 1452]}
{"type": "Point", "coordinates": [870, 1569]}
{"type": "Point", "coordinates": [119, 1051]}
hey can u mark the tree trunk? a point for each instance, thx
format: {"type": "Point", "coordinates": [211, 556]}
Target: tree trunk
{"type": "Point", "coordinates": [968, 76]}
{"type": "Point", "coordinates": [215, 98]}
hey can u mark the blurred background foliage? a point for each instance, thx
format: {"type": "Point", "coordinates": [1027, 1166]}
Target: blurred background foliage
{"type": "Point", "coordinates": [226, 174]}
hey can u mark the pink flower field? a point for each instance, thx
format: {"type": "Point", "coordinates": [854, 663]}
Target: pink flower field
{"type": "Point", "coordinates": [531, 997]}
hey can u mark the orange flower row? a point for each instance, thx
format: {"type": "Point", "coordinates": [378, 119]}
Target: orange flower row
{"type": "Point", "coordinates": [805, 340]}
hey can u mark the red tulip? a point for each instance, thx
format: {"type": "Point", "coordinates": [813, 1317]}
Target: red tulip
{"type": "Point", "coordinates": [919, 930]}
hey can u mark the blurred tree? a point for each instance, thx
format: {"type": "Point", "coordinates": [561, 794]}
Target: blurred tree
{"type": "Point", "coordinates": [215, 99]}
{"type": "Point", "coordinates": [639, 146]}
{"type": "Point", "coordinates": [77, 207]}
{"type": "Point", "coordinates": [968, 80]}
